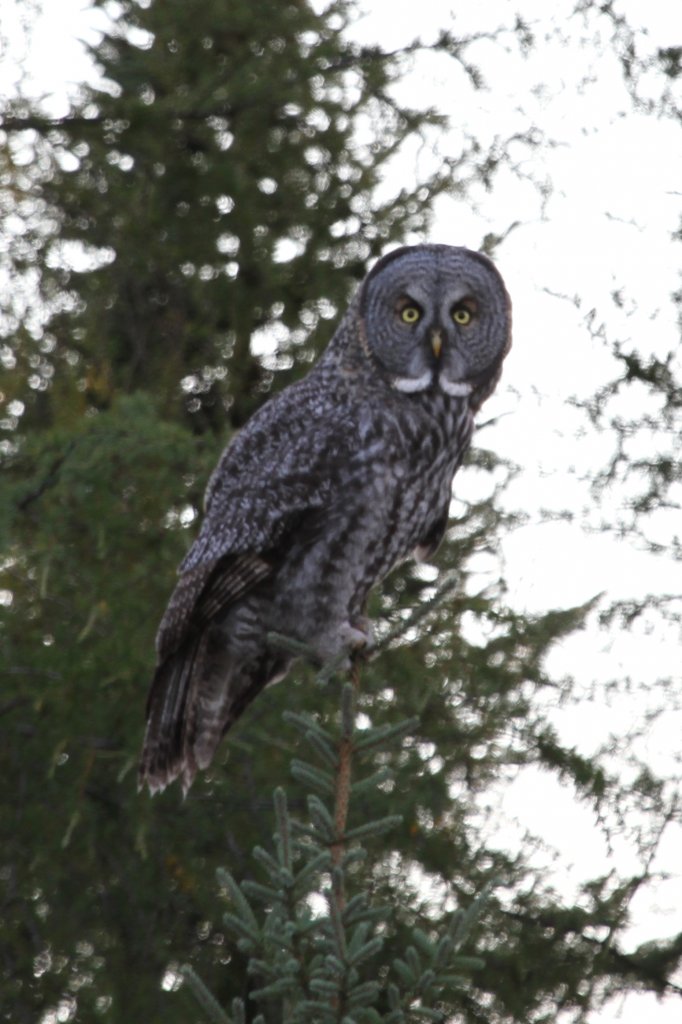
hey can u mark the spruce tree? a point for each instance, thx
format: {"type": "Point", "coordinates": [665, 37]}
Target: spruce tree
{"type": "Point", "coordinates": [209, 197]}
{"type": "Point", "coordinates": [306, 962]}
{"type": "Point", "coordinates": [213, 187]}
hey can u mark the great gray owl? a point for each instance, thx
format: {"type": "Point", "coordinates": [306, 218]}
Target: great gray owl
{"type": "Point", "coordinates": [330, 484]}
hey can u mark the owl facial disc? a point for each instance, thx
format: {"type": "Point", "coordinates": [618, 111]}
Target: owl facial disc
{"type": "Point", "coordinates": [436, 318]}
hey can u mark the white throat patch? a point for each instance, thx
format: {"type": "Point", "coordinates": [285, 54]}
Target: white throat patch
{"type": "Point", "coordinates": [458, 388]}
{"type": "Point", "coordinates": [410, 384]}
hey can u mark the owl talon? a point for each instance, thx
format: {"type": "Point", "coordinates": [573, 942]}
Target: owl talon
{"type": "Point", "coordinates": [351, 641]}
{"type": "Point", "coordinates": [358, 637]}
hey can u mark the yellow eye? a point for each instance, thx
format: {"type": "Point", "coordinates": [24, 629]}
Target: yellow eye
{"type": "Point", "coordinates": [461, 315]}
{"type": "Point", "coordinates": [410, 315]}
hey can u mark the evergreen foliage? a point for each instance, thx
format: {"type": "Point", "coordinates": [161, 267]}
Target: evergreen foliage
{"type": "Point", "coordinates": [305, 963]}
{"type": "Point", "coordinates": [224, 183]}
{"type": "Point", "coordinates": [216, 182]}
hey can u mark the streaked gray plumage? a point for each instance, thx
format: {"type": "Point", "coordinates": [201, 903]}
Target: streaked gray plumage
{"type": "Point", "coordinates": [326, 488]}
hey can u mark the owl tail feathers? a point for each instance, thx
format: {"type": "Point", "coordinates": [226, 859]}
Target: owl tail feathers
{"type": "Point", "coordinates": [166, 755]}
{"type": "Point", "coordinates": [182, 731]}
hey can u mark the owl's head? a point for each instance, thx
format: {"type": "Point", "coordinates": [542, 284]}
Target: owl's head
{"type": "Point", "coordinates": [436, 316]}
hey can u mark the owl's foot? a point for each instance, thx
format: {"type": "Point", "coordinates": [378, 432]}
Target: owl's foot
{"type": "Point", "coordinates": [350, 641]}
{"type": "Point", "coordinates": [359, 637]}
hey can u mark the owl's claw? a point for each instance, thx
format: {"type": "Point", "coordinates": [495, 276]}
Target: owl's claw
{"type": "Point", "coordinates": [351, 641]}
{"type": "Point", "coordinates": [358, 637]}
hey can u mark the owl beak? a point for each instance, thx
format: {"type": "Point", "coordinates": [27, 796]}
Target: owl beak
{"type": "Point", "coordinates": [436, 343]}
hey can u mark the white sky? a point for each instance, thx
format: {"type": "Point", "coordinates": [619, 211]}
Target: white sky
{"type": "Point", "coordinates": [616, 198]}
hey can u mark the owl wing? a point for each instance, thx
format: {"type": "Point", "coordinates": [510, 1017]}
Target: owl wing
{"type": "Point", "coordinates": [289, 460]}
{"type": "Point", "coordinates": [283, 465]}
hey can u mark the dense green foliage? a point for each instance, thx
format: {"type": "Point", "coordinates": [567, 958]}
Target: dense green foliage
{"type": "Point", "coordinates": [324, 962]}
{"type": "Point", "coordinates": [216, 179]}
{"type": "Point", "coordinates": [213, 189]}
